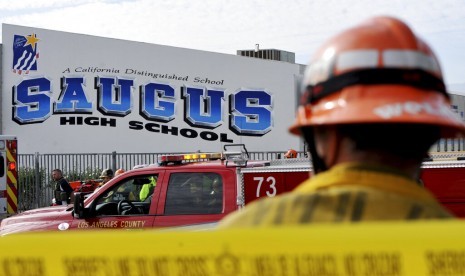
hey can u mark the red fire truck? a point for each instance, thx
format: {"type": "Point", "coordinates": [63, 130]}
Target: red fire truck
{"type": "Point", "coordinates": [201, 188]}
{"type": "Point", "coordinates": [444, 176]}
{"type": "Point", "coordinates": [8, 175]}
{"type": "Point", "coordinates": [180, 190]}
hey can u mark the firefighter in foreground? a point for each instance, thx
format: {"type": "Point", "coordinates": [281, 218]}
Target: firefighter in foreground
{"type": "Point", "coordinates": [374, 103]}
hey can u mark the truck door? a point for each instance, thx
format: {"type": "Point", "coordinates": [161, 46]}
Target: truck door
{"type": "Point", "coordinates": [130, 202]}
{"type": "Point", "coordinates": [193, 197]}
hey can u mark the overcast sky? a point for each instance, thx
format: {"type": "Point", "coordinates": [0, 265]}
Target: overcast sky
{"type": "Point", "coordinates": [225, 26]}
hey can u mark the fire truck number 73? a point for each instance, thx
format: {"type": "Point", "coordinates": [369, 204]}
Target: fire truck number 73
{"type": "Point", "coordinates": [271, 181]}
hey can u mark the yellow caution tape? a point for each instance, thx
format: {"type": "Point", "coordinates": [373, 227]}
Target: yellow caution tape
{"type": "Point", "coordinates": [410, 248]}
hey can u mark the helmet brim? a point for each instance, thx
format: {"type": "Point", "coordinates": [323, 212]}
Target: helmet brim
{"type": "Point", "coordinates": [382, 104]}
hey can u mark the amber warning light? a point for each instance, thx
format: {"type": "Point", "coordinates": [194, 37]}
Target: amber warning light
{"type": "Point", "coordinates": [189, 157]}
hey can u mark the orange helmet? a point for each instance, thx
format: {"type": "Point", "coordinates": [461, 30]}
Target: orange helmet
{"type": "Point", "coordinates": [291, 154]}
{"type": "Point", "coordinates": [377, 72]}
{"type": "Point", "coordinates": [119, 171]}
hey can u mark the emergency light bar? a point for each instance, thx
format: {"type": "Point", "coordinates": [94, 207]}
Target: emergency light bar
{"type": "Point", "coordinates": [189, 157]}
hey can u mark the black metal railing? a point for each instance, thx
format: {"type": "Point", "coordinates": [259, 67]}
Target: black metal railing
{"type": "Point", "coordinates": [36, 187]}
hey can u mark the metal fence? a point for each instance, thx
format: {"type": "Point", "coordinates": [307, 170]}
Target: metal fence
{"type": "Point", "coordinates": [36, 187]}
{"type": "Point", "coordinates": [450, 145]}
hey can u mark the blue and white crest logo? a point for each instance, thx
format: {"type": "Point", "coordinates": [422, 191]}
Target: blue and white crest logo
{"type": "Point", "coordinates": [25, 53]}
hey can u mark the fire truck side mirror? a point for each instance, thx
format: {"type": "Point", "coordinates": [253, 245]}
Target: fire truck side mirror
{"type": "Point", "coordinates": [79, 210]}
{"type": "Point", "coordinates": [239, 157]}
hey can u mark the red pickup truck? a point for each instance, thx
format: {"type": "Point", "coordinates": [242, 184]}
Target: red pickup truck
{"type": "Point", "coordinates": [202, 188]}
{"type": "Point", "coordinates": [180, 190]}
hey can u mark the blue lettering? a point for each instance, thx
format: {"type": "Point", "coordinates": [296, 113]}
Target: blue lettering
{"type": "Point", "coordinates": [31, 101]}
{"type": "Point", "coordinates": [250, 113]}
{"type": "Point", "coordinates": [203, 110]}
{"type": "Point", "coordinates": [73, 98]}
{"type": "Point", "coordinates": [114, 99]}
{"type": "Point", "coordinates": [158, 102]}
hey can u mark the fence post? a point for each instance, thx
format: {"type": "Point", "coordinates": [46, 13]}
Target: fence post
{"type": "Point", "coordinates": [113, 161]}
{"type": "Point", "coordinates": [37, 180]}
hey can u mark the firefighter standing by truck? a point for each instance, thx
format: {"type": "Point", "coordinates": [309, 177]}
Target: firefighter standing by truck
{"type": "Point", "coordinates": [373, 105]}
{"type": "Point", "coordinates": [63, 190]}
{"type": "Point", "coordinates": [106, 175]}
